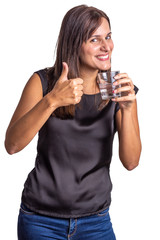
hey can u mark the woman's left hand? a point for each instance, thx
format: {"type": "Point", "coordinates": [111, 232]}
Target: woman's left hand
{"type": "Point", "coordinates": [127, 91]}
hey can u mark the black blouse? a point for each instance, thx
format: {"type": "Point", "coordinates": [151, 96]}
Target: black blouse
{"type": "Point", "coordinates": [71, 176]}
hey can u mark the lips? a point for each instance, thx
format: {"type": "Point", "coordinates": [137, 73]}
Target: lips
{"type": "Point", "coordinates": [103, 57]}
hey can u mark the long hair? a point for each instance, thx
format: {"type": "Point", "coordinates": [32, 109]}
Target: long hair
{"type": "Point", "coordinates": [77, 27]}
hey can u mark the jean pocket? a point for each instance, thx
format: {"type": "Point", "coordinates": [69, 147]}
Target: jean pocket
{"type": "Point", "coordinates": [103, 213]}
{"type": "Point", "coordinates": [26, 210]}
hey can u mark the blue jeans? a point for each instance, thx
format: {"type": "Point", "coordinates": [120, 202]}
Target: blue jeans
{"type": "Point", "coordinates": [32, 226]}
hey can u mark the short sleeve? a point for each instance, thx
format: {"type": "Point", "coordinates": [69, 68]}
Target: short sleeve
{"type": "Point", "coordinates": [136, 89]}
{"type": "Point", "coordinates": [43, 76]}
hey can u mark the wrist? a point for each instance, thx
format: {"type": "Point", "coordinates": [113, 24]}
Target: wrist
{"type": "Point", "coordinates": [52, 101]}
{"type": "Point", "coordinates": [126, 111]}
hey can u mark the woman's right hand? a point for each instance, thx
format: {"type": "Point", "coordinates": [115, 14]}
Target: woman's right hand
{"type": "Point", "coordinates": [66, 91]}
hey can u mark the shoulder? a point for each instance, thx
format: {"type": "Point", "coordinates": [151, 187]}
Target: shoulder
{"type": "Point", "coordinates": [33, 88]}
{"type": "Point", "coordinates": [42, 75]}
{"type": "Point", "coordinates": [35, 84]}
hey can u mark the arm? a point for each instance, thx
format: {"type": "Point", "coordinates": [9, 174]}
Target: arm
{"type": "Point", "coordinates": [129, 137]}
{"type": "Point", "coordinates": [31, 113]}
{"type": "Point", "coordinates": [127, 123]}
{"type": "Point", "coordinates": [34, 110]}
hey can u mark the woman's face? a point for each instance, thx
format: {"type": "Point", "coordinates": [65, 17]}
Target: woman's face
{"type": "Point", "coordinates": [96, 52]}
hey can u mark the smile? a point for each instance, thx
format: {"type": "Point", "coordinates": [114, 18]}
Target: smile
{"type": "Point", "coordinates": [103, 57]}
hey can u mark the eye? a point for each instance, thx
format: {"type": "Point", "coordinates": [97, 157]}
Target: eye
{"type": "Point", "coordinates": [94, 40]}
{"type": "Point", "coordinates": [108, 37]}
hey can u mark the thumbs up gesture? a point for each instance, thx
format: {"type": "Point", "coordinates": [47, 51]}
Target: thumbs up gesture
{"type": "Point", "coordinates": [67, 91]}
{"type": "Point", "coordinates": [64, 74]}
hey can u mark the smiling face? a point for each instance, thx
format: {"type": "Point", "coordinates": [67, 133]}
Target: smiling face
{"type": "Point", "coordinates": [96, 51]}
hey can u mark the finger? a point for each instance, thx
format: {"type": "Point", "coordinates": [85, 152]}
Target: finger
{"type": "Point", "coordinates": [77, 100]}
{"type": "Point", "coordinates": [78, 90]}
{"type": "Point", "coordinates": [123, 89]}
{"type": "Point", "coordinates": [78, 87]}
{"type": "Point", "coordinates": [121, 75]}
{"type": "Point", "coordinates": [78, 93]}
{"type": "Point", "coordinates": [64, 74]}
{"type": "Point", "coordinates": [123, 81]}
{"type": "Point", "coordinates": [75, 82]}
{"type": "Point", "coordinates": [130, 97]}
{"type": "Point", "coordinates": [79, 80]}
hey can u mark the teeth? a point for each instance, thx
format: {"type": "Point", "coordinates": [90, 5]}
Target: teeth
{"type": "Point", "coordinates": [103, 57]}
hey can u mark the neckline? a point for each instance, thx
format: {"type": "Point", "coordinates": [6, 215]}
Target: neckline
{"type": "Point", "coordinates": [91, 94]}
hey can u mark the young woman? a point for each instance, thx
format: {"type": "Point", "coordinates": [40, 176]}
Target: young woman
{"type": "Point", "coordinates": [67, 194]}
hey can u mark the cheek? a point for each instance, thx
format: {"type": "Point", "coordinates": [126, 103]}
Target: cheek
{"type": "Point", "coordinates": [88, 53]}
{"type": "Point", "coordinates": [91, 51]}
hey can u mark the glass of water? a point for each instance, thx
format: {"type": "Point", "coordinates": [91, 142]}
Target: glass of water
{"type": "Point", "coordinates": [105, 81]}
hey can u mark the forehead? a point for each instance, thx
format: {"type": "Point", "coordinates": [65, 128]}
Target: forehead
{"type": "Point", "coordinates": [103, 28]}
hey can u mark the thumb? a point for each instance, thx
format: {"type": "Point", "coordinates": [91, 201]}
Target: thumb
{"type": "Point", "coordinates": [64, 74]}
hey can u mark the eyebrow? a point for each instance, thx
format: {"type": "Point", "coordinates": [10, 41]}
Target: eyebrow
{"type": "Point", "coordinates": [100, 35]}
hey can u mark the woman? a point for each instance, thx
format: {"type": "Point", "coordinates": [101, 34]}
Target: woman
{"type": "Point", "coordinates": [67, 194]}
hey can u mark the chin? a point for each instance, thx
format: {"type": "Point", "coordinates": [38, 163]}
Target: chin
{"type": "Point", "coordinates": [105, 67]}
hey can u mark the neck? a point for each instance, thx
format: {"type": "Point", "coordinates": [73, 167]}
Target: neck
{"type": "Point", "coordinates": [90, 85]}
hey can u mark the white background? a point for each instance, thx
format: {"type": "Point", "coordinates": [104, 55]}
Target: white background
{"type": "Point", "coordinates": [29, 31]}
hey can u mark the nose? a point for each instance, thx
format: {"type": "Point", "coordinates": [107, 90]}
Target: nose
{"type": "Point", "coordinates": [105, 45]}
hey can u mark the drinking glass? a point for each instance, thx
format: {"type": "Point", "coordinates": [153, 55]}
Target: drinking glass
{"type": "Point", "coordinates": [105, 81]}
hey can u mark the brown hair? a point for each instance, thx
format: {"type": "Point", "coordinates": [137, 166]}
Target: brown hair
{"type": "Point", "coordinates": [77, 26]}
